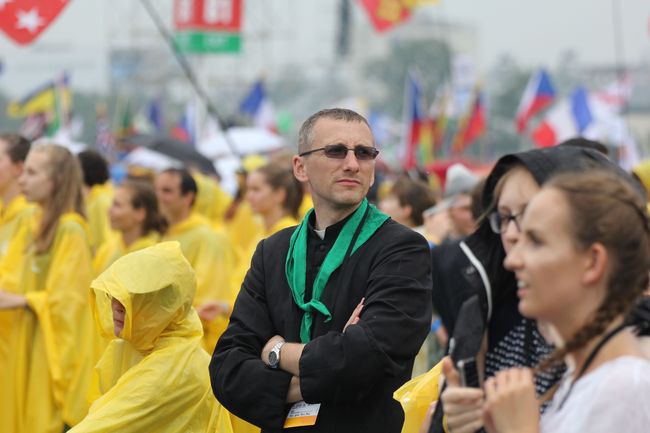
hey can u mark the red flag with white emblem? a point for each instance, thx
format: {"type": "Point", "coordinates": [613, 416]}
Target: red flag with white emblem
{"type": "Point", "coordinates": [24, 20]}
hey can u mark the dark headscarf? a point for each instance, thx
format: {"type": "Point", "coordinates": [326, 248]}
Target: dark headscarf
{"type": "Point", "coordinates": [542, 164]}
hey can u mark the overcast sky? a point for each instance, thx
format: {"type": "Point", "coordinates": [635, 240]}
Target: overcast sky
{"type": "Point", "coordinates": [535, 32]}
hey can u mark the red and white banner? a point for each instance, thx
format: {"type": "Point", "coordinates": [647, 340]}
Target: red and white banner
{"type": "Point", "coordinates": [212, 15]}
{"type": "Point", "coordinates": [24, 20]}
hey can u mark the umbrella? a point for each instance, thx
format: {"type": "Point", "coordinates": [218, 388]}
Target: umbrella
{"type": "Point", "coordinates": [246, 140]}
{"type": "Point", "coordinates": [174, 149]}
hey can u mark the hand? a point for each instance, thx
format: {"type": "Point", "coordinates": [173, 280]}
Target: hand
{"type": "Point", "coordinates": [209, 310]}
{"type": "Point", "coordinates": [268, 346]}
{"type": "Point", "coordinates": [9, 301]}
{"type": "Point", "coordinates": [463, 406]}
{"type": "Point", "coordinates": [511, 404]}
{"type": "Point", "coordinates": [294, 394]}
{"type": "Point", "coordinates": [354, 318]}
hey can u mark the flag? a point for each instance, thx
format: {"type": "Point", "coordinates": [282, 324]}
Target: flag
{"type": "Point", "coordinates": [539, 94]}
{"type": "Point", "coordinates": [616, 94]}
{"type": "Point", "coordinates": [417, 137]}
{"type": "Point", "coordinates": [24, 20]}
{"type": "Point", "coordinates": [472, 126]}
{"type": "Point", "coordinates": [439, 118]}
{"type": "Point", "coordinates": [154, 115]}
{"type": "Point", "coordinates": [385, 14]}
{"type": "Point", "coordinates": [125, 126]}
{"type": "Point", "coordinates": [567, 119]}
{"type": "Point", "coordinates": [257, 106]}
{"type": "Point", "coordinates": [56, 116]}
{"type": "Point", "coordinates": [186, 129]}
{"type": "Point", "coordinates": [42, 99]}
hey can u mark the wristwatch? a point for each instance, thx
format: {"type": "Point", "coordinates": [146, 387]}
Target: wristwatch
{"type": "Point", "coordinates": [274, 355]}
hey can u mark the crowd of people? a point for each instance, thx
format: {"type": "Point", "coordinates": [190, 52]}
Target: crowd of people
{"type": "Point", "coordinates": [161, 304]}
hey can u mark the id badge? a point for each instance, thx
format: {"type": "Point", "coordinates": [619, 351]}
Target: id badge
{"type": "Point", "coordinates": [302, 414]}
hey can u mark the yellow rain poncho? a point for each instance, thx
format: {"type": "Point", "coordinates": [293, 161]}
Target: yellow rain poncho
{"type": "Point", "coordinates": [15, 223]}
{"type": "Point", "coordinates": [114, 248]}
{"type": "Point", "coordinates": [211, 201]}
{"type": "Point", "coordinates": [52, 367]}
{"type": "Point", "coordinates": [98, 201]}
{"type": "Point", "coordinates": [416, 396]}
{"type": "Point", "coordinates": [213, 259]}
{"type": "Point", "coordinates": [245, 262]}
{"type": "Point", "coordinates": [13, 215]}
{"type": "Point", "coordinates": [155, 377]}
{"type": "Point", "coordinates": [244, 228]}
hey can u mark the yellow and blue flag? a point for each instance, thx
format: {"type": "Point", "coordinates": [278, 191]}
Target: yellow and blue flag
{"type": "Point", "coordinates": [47, 98]}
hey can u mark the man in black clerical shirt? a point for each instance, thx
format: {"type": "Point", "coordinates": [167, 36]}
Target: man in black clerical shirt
{"type": "Point", "coordinates": [331, 313]}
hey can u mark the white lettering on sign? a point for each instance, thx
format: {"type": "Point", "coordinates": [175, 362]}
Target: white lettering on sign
{"type": "Point", "coordinates": [184, 11]}
{"type": "Point", "coordinates": [218, 11]}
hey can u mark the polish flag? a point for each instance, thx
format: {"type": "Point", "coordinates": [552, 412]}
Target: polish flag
{"type": "Point", "coordinates": [539, 94]}
{"type": "Point", "coordinates": [569, 118]}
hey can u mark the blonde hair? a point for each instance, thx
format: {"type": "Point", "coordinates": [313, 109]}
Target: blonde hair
{"type": "Point", "coordinates": [65, 172]}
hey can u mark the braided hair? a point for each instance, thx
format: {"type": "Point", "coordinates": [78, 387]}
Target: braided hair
{"type": "Point", "coordinates": [605, 209]}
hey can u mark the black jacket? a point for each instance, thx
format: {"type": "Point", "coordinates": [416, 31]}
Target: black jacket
{"type": "Point", "coordinates": [352, 374]}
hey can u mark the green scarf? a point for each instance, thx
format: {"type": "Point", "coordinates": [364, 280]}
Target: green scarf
{"type": "Point", "coordinates": [296, 263]}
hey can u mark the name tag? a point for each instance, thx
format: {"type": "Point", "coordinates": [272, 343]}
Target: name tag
{"type": "Point", "coordinates": [302, 414]}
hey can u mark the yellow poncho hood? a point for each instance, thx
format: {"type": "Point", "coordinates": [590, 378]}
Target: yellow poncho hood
{"type": "Point", "coordinates": [156, 286]}
{"type": "Point", "coordinates": [155, 376]}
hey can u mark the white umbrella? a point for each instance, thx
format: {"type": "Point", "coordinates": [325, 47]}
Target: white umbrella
{"type": "Point", "coordinates": [246, 140]}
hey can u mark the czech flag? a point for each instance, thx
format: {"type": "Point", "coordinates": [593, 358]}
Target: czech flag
{"type": "Point", "coordinates": [567, 119]}
{"type": "Point", "coordinates": [539, 94]}
{"type": "Point", "coordinates": [417, 126]}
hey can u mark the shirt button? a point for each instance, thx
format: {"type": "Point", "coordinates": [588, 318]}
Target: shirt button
{"type": "Point", "coordinates": [321, 248]}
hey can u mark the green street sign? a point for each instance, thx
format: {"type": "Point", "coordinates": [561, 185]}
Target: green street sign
{"type": "Point", "coordinates": [200, 42]}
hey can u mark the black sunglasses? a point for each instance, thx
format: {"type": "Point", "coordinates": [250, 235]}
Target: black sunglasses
{"type": "Point", "coordinates": [340, 151]}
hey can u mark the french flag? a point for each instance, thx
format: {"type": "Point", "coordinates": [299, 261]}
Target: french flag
{"type": "Point", "coordinates": [567, 119]}
{"type": "Point", "coordinates": [259, 107]}
{"type": "Point", "coordinates": [539, 94]}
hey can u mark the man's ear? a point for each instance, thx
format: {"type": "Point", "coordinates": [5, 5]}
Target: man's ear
{"type": "Point", "coordinates": [299, 170]}
{"type": "Point", "coordinates": [596, 261]}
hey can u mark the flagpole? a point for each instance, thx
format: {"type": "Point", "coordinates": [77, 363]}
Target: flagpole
{"type": "Point", "coordinates": [190, 75]}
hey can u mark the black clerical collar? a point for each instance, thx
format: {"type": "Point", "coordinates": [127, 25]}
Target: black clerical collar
{"type": "Point", "coordinates": [331, 232]}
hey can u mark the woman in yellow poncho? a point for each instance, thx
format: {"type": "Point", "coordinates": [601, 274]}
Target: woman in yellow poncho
{"type": "Point", "coordinates": [154, 377]}
{"type": "Point", "coordinates": [98, 191]}
{"type": "Point", "coordinates": [53, 358]}
{"type": "Point", "coordinates": [15, 216]}
{"type": "Point", "coordinates": [135, 216]}
{"type": "Point", "coordinates": [274, 195]}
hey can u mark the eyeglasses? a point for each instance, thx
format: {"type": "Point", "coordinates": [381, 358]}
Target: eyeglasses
{"type": "Point", "coordinates": [499, 222]}
{"type": "Point", "coordinates": [340, 151]}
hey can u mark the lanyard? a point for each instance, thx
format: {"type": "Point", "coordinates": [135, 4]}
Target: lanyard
{"type": "Point", "coordinates": [591, 357]}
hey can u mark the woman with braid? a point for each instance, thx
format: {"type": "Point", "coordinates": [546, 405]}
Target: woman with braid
{"type": "Point", "coordinates": [581, 264]}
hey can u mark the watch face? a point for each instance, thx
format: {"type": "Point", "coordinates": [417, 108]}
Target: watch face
{"type": "Point", "coordinates": [273, 358]}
